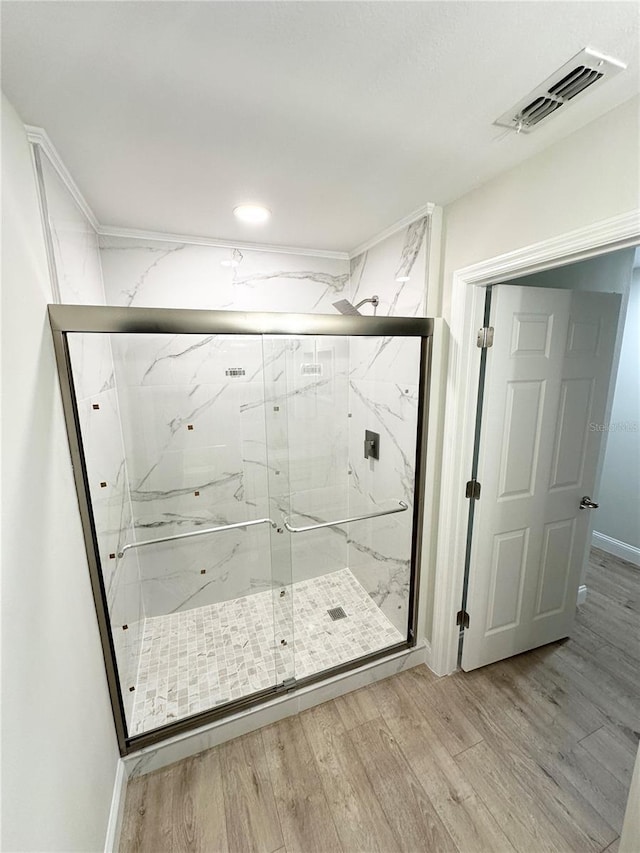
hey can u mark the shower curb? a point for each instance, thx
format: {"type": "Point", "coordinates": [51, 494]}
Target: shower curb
{"type": "Point", "coordinates": [190, 743]}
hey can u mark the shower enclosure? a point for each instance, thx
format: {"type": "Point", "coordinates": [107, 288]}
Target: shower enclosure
{"type": "Point", "coordinates": [250, 487]}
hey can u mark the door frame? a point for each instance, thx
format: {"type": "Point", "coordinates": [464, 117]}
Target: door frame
{"type": "Point", "coordinates": [467, 307]}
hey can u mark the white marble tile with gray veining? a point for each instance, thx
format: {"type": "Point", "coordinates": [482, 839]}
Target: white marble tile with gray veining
{"type": "Point", "coordinates": [196, 660]}
{"type": "Point", "coordinates": [394, 270]}
{"type": "Point", "coordinates": [174, 275]}
{"type": "Point", "coordinates": [75, 244]}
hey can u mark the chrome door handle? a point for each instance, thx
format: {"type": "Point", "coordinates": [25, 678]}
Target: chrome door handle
{"type": "Point", "coordinates": [587, 503]}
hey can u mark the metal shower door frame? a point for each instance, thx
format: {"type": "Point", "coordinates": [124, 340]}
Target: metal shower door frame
{"type": "Point", "coordinates": [66, 319]}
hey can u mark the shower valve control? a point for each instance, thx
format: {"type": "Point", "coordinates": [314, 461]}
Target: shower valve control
{"type": "Point", "coordinates": [371, 444]}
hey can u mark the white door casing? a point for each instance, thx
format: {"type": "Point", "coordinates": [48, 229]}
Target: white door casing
{"type": "Point", "coordinates": [547, 381]}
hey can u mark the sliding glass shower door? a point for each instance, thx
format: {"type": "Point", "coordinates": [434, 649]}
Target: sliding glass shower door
{"type": "Point", "coordinates": [250, 499]}
{"type": "Point", "coordinates": [342, 430]}
{"type": "Point", "coordinates": [175, 449]}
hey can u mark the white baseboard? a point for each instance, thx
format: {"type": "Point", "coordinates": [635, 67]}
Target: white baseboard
{"type": "Point", "coordinates": [582, 594]}
{"type": "Point", "coordinates": [190, 743]}
{"type": "Point", "coordinates": [114, 826]}
{"type": "Point", "coordinates": [614, 546]}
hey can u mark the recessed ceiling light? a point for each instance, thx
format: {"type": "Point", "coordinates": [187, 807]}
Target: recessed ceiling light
{"type": "Point", "coordinates": [254, 214]}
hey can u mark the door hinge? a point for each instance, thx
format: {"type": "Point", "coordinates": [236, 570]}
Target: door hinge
{"type": "Point", "coordinates": [472, 490]}
{"type": "Point", "coordinates": [485, 337]}
{"type": "Point", "coordinates": [462, 618]}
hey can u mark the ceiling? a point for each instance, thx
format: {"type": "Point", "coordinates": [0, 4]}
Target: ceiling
{"type": "Point", "coordinates": [342, 117]}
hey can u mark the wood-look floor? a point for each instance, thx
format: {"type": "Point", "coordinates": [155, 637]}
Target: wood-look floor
{"type": "Point", "coordinates": [531, 754]}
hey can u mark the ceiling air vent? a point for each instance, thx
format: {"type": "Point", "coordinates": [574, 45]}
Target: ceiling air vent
{"type": "Point", "coordinates": [586, 70]}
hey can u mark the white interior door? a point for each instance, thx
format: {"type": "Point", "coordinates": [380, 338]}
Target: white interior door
{"type": "Point", "coordinates": [546, 387]}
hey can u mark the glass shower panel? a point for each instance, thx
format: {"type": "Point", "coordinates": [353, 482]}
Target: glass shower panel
{"type": "Point", "coordinates": [276, 354]}
{"type": "Point", "coordinates": [175, 447]}
{"type": "Point", "coordinates": [351, 581]}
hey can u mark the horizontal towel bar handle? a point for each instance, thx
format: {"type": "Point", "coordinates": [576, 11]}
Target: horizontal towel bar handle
{"type": "Point", "coordinates": [403, 507]}
{"type": "Point", "coordinates": [197, 533]}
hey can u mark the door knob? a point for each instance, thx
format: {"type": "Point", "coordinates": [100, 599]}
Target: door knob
{"type": "Point", "coordinates": [587, 503]}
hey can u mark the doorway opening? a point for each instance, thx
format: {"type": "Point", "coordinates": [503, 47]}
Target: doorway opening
{"type": "Point", "coordinates": [467, 299]}
{"type": "Point", "coordinates": [545, 407]}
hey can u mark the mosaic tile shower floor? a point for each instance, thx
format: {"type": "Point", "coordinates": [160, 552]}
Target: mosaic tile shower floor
{"type": "Point", "coordinates": [196, 659]}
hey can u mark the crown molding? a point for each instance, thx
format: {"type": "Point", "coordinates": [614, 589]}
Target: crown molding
{"type": "Point", "coordinates": [38, 136]}
{"type": "Point", "coordinates": [425, 210]}
{"type": "Point", "coordinates": [185, 239]}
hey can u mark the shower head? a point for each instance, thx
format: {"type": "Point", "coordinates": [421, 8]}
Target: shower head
{"type": "Point", "coordinates": [345, 307]}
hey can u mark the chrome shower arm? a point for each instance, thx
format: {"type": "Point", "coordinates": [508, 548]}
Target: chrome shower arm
{"type": "Point", "coordinates": [374, 300]}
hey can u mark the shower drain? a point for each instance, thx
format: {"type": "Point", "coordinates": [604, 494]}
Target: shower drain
{"type": "Point", "coordinates": [337, 613]}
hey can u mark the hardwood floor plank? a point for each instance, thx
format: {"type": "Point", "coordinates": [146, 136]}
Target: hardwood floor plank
{"type": "Point", "coordinates": [356, 708]}
{"type": "Point", "coordinates": [305, 817]}
{"type": "Point", "coordinates": [530, 757]}
{"type": "Point", "coordinates": [252, 818]}
{"type": "Point", "coordinates": [198, 813]}
{"type": "Point", "coordinates": [513, 805]}
{"type": "Point", "coordinates": [625, 668]}
{"type": "Point", "coordinates": [154, 832]}
{"type": "Point", "coordinates": [621, 591]}
{"type": "Point", "coordinates": [601, 788]}
{"type": "Point", "coordinates": [618, 625]}
{"type": "Point", "coordinates": [613, 751]}
{"type": "Point", "coordinates": [447, 719]}
{"type": "Point", "coordinates": [131, 832]}
{"type": "Point", "coordinates": [559, 754]}
{"type": "Point", "coordinates": [465, 816]}
{"type": "Point", "coordinates": [408, 809]}
{"type": "Point", "coordinates": [613, 847]}
{"type": "Point", "coordinates": [603, 565]}
{"type": "Point", "coordinates": [596, 671]}
{"type": "Point", "coordinates": [586, 638]}
{"type": "Point", "coordinates": [514, 681]}
{"type": "Point", "coordinates": [599, 688]}
{"type": "Point", "coordinates": [561, 691]}
{"type": "Point", "coordinates": [357, 813]}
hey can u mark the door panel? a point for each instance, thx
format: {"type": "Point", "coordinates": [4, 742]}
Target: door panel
{"type": "Point", "coordinates": [547, 380]}
{"type": "Point", "coordinates": [521, 438]}
{"type": "Point", "coordinates": [557, 549]}
{"type": "Point", "coordinates": [576, 398]}
{"type": "Point", "coordinates": [509, 558]}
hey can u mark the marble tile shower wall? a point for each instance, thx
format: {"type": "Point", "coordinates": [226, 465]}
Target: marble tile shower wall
{"type": "Point", "coordinates": [99, 415]}
{"type": "Point", "coordinates": [74, 242]}
{"type": "Point", "coordinates": [314, 423]}
{"type": "Point", "coordinates": [78, 270]}
{"type": "Point", "coordinates": [196, 450]}
{"type": "Point", "coordinates": [383, 394]}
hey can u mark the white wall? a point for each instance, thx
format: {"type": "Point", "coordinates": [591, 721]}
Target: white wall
{"type": "Point", "coordinates": [592, 175]}
{"type": "Point", "coordinates": [619, 494]}
{"type": "Point", "coordinates": [59, 748]}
